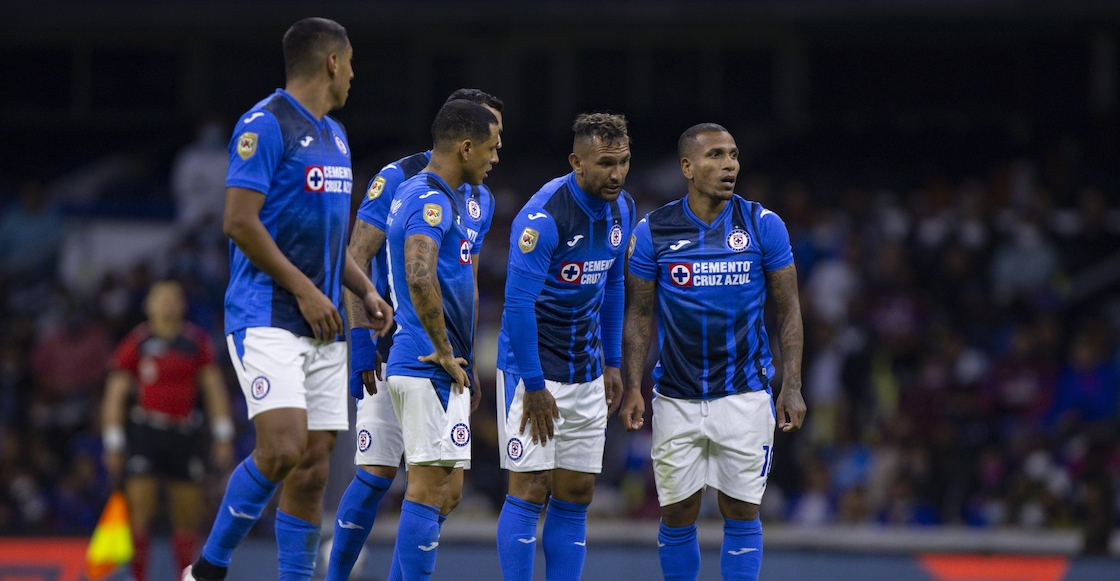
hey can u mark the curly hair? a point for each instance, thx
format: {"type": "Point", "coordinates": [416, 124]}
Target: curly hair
{"type": "Point", "coordinates": [609, 128]}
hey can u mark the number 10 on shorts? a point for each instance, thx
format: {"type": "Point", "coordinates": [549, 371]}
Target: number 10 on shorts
{"type": "Point", "coordinates": [767, 460]}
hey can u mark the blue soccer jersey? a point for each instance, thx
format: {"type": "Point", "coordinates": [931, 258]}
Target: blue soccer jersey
{"type": "Point", "coordinates": [426, 205]}
{"type": "Point", "coordinates": [302, 166]}
{"type": "Point", "coordinates": [711, 293]}
{"type": "Point", "coordinates": [477, 200]}
{"type": "Point", "coordinates": [565, 252]}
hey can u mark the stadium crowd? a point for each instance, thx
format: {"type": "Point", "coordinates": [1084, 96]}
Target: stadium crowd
{"type": "Point", "coordinates": [961, 356]}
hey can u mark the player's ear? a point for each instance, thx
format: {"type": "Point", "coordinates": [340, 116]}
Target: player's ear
{"type": "Point", "coordinates": [465, 147]}
{"type": "Point", "coordinates": [332, 64]}
{"type": "Point", "coordinates": [576, 163]}
{"type": "Point", "coordinates": [686, 168]}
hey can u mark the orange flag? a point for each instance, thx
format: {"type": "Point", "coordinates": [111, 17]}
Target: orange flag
{"type": "Point", "coordinates": [111, 544]}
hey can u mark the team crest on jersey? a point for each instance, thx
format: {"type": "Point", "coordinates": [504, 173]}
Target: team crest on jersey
{"type": "Point", "coordinates": [615, 237]}
{"type": "Point", "coordinates": [464, 252]}
{"type": "Point", "coordinates": [738, 240]}
{"type": "Point", "coordinates": [474, 209]}
{"type": "Point", "coordinates": [528, 240]}
{"type": "Point", "coordinates": [515, 449]}
{"type": "Point", "coordinates": [460, 435]}
{"type": "Point", "coordinates": [364, 440]}
{"type": "Point", "coordinates": [341, 145]}
{"type": "Point", "coordinates": [630, 247]}
{"type": "Point", "coordinates": [681, 273]}
{"type": "Point", "coordinates": [376, 188]}
{"type": "Point", "coordinates": [433, 214]}
{"type": "Point", "coordinates": [247, 145]}
{"type": "Point", "coordinates": [260, 387]}
{"type": "Point", "coordinates": [570, 271]}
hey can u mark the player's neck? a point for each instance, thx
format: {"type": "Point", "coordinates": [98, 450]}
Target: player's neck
{"type": "Point", "coordinates": [451, 173]}
{"type": "Point", "coordinates": [166, 330]}
{"type": "Point", "coordinates": [705, 208]}
{"type": "Point", "coordinates": [314, 96]}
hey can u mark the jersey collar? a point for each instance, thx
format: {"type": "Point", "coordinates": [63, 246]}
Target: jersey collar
{"type": "Point", "coordinates": [590, 204]}
{"type": "Point", "coordinates": [299, 107]}
{"type": "Point", "coordinates": [442, 184]}
{"type": "Point", "coordinates": [715, 223]}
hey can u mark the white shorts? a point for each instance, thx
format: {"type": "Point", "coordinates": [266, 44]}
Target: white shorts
{"type": "Point", "coordinates": [279, 369]}
{"type": "Point", "coordinates": [380, 442]}
{"type": "Point", "coordinates": [726, 443]}
{"type": "Point", "coordinates": [580, 431]}
{"type": "Point", "coordinates": [432, 435]}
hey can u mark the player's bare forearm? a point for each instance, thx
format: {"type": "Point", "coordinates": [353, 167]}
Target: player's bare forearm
{"type": "Point", "coordinates": [783, 286]}
{"type": "Point", "coordinates": [214, 392]}
{"type": "Point", "coordinates": [117, 387]}
{"type": "Point", "coordinates": [420, 261]}
{"type": "Point", "coordinates": [242, 223]}
{"type": "Point", "coordinates": [365, 242]}
{"type": "Point", "coordinates": [641, 295]}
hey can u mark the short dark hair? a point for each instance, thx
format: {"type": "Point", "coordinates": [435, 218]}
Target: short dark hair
{"type": "Point", "coordinates": [688, 138]}
{"type": "Point", "coordinates": [477, 96]}
{"type": "Point", "coordinates": [608, 127]}
{"type": "Point", "coordinates": [461, 119]}
{"type": "Point", "coordinates": [308, 42]}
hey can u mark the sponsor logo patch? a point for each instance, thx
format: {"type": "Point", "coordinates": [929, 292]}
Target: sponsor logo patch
{"type": "Point", "coordinates": [376, 188]}
{"type": "Point", "coordinates": [247, 144]}
{"type": "Point", "coordinates": [515, 449]}
{"type": "Point", "coordinates": [364, 440]}
{"type": "Point", "coordinates": [464, 252]}
{"type": "Point", "coordinates": [570, 271]}
{"type": "Point", "coordinates": [680, 274]}
{"type": "Point", "coordinates": [313, 180]}
{"type": "Point", "coordinates": [528, 240]}
{"type": "Point", "coordinates": [433, 214]}
{"type": "Point", "coordinates": [474, 209]}
{"type": "Point", "coordinates": [260, 387]}
{"type": "Point", "coordinates": [630, 248]}
{"type": "Point", "coordinates": [460, 434]}
{"type": "Point", "coordinates": [738, 240]}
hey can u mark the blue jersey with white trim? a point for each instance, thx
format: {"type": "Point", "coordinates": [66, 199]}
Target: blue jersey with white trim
{"type": "Point", "coordinates": [426, 205]}
{"type": "Point", "coordinates": [302, 166]}
{"type": "Point", "coordinates": [477, 201]}
{"type": "Point", "coordinates": [572, 241]}
{"type": "Point", "coordinates": [711, 294]}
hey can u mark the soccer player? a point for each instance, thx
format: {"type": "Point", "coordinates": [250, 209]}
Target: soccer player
{"type": "Point", "coordinates": [380, 443]}
{"type": "Point", "coordinates": [709, 260]}
{"type": "Point", "coordinates": [169, 361]}
{"type": "Point", "coordinates": [287, 209]}
{"type": "Point", "coordinates": [560, 348]}
{"type": "Point", "coordinates": [432, 283]}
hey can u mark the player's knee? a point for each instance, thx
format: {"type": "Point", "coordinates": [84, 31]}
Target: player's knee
{"type": "Point", "coordinates": [683, 513]}
{"type": "Point", "coordinates": [454, 497]}
{"type": "Point", "coordinates": [737, 509]}
{"type": "Point", "coordinates": [276, 460]}
{"type": "Point", "coordinates": [580, 491]}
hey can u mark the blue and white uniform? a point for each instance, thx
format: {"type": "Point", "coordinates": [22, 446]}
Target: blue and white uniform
{"type": "Point", "coordinates": [562, 322]}
{"type": "Point", "coordinates": [713, 415]}
{"type": "Point", "coordinates": [380, 442]}
{"type": "Point", "coordinates": [302, 166]}
{"type": "Point", "coordinates": [434, 418]}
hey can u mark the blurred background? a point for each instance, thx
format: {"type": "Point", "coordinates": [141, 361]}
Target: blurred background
{"type": "Point", "coordinates": [949, 172]}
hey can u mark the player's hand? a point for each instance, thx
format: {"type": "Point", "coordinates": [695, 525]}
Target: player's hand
{"type": "Point", "coordinates": [633, 410]}
{"type": "Point", "coordinates": [320, 313]}
{"type": "Point", "coordinates": [476, 393]}
{"type": "Point", "coordinates": [368, 378]}
{"type": "Point", "coordinates": [379, 313]}
{"type": "Point", "coordinates": [539, 410]}
{"type": "Point", "coordinates": [791, 404]}
{"type": "Point", "coordinates": [612, 388]}
{"type": "Point", "coordinates": [377, 370]}
{"type": "Point", "coordinates": [221, 455]}
{"type": "Point", "coordinates": [114, 466]}
{"type": "Point", "coordinates": [454, 366]}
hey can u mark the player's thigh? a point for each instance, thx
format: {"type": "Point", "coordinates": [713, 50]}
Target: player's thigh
{"type": "Point", "coordinates": [741, 430]}
{"type": "Point", "coordinates": [680, 450]}
{"type": "Point", "coordinates": [326, 383]}
{"type": "Point", "coordinates": [581, 432]}
{"type": "Point", "coordinates": [185, 505]}
{"type": "Point", "coordinates": [270, 368]}
{"type": "Point", "coordinates": [380, 442]}
{"type": "Point", "coordinates": [180, 456]}
{"type": "Point", "coordinates": [434, 420]}
{"type": "Point", "coordinates": [518, 452]}
{"type": "Point", "coordinates": [142, 494]}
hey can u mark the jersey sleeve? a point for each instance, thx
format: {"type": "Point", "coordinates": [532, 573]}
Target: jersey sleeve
{"type": "Point", "coordinates": [776, 251]}
{"type": "Point", "coordinates": [642, 261]}
{"type": "Point", "coordinates": [429, 214]}
{"type": "Point", "coordinates": [254, 152]}
{"type": "Point", "coordinates": [127, 355]}
{"type": "Point", "coordinates": [379, 196]}
{"type": "Point", "coordinates": [487, 199]}
{"type": "Point", "coordinates": [533, 239]}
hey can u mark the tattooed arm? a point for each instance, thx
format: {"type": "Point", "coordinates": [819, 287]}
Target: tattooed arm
{"type": "Point", "coordinates": [641, 295]}
{"type": "Point", "coordinates": [420, 260]}
{"type": "Point", "coordinates": [782, 284]}
{"type": "Point", "coordinates": [365, 242]}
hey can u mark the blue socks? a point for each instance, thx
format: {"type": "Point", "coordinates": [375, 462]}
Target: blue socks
{"type": "Point", "coordinates": [297, 545]}
{"type": "Point", "coordinates": [680, 552]}
{"type": "Point", "coordinates": [417, 540]}
{"type": "Point", "coordinates": [565, 540]}
{"type": "Point", "coordinates": [356, 513]}
{"type": "Point", "coordinates": [395, 567]}
{"type": "Point", "coordinates": [517, 538]}
{"type": "Point", "coordinates": [246, 494]}
{"type": "Point", "coordinates": [741, 555]}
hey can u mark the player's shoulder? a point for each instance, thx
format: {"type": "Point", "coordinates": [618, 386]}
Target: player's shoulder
{"type": "Point", "coordinates": [336, 125]}
{"type": "Point", "coordinates": [410, 165]}
{"type": "Point", "coordinates": [552, 201]}
{"type": "Point", "coordinates": [669, 214]}
{"type": "Point", "coordinates": [137, 335]}
{"type": "Point", "coordinates": [761, 214]}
